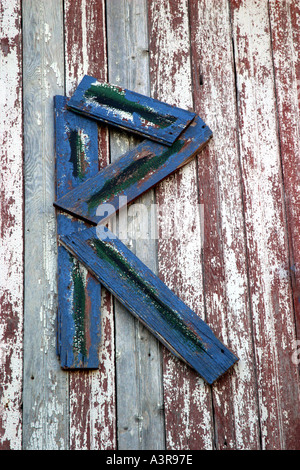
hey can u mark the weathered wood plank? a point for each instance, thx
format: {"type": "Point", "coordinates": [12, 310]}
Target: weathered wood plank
{"type": "Point", "coordinates": [138, 365]}
{"type": "Point", "coordinates": [129, 110]}
{"type": "Point", "coordinates": [45, 392]}
{"type": "Point", "coordinates": [285, 28]}
{"type": "Point", "coordinates": [79, 295]}
{"type": "Point", "coordinates": [265, 223]}
{"type": "Point", "coordinates": [149, 299]}
{"type": "Point", "coordinates": [132, 175]}
{"type": "Point", "coordinates": [91, 410]}
{"type": "Point", "coordinates": [187, 399]}
{"type": "Point", "coordinates": [93, 392]}
{"type": "Point", "coordinates": [11, 226]}
{"type": "Point", "coordinates": [236, 418]}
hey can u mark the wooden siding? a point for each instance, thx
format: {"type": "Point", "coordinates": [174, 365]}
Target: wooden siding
{"type": "Point", "coordinates": [92, 411]}
{"type": "Point", "coordinates": [148, 299]}
{"type": "Point", "coordinates": [11, 226]}
{"type": "Point", "coordinates": [79, 294]}
{"type": "Point", "coordinates": [133, 174]}
{"type": "Point", "coordinates": [140, 420]}
{"type": "Point", "coordinates": [130, 111]}
{"type": "Point", "coordinates": [228, 244]}
{"type": "Point", "coordinates": [45, 386]}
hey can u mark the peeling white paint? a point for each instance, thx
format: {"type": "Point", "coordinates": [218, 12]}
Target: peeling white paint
{"type": "Point", "coordinates": [47, 33]}
{"type": "Point", "coordinates": [172, 83]}
{"type": "Point", "coordinates": [265, 218]}
{"type": "Point", "coordinates": [11, 225]}
{"type": "Point", "coordinates": [264, 228]}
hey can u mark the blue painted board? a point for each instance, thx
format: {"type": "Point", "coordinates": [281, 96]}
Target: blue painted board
{"type": "Point", "coordinates": [151, 301]}
{"type": "Point", "coordinates": [130, 111]}
{"type": "Point", "coordinates": [134, 173]}
{"type": "Point", "coordinates": [79, 293]}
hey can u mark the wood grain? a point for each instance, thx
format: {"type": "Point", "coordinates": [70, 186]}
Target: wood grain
{"type": "Point", "coordinates": [11, 226]}
{"type": "Point", "coordinates": [149, 299]}
{"type": "Point", "coordinates": [138, 365]}
{"type": "Point", "coordinates": [93, 392]}
{"type": "Point", "coordinates": [285, 35]}
{"type": "Point", "coordinates": [265, 223]}
{"type": "Point", "coordinates": [236, 418]}
{"type": "Point", "coordinates": [130, 111]}
{"type": "Point", "coordinates": [79, 294]}
{"type": "Point", "coordinates": [188, 411]}
{"type": "Point", "coordinates": [246, 284]}
{"type": "Point", "coordinates": [45, 392]}
{"type": "Point", "coordinates": [138, 170]}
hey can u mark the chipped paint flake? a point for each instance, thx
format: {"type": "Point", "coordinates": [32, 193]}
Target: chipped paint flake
{"type": "Point", "coordinates": [11, 227]}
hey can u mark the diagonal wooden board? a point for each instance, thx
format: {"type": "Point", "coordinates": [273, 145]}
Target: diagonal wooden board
{"type": "Point", "coordinates": [151, 301]}
{"type": "Point", "coordinates": [130, 110]}
{"type": "Point", "coordinates": [79, 293]}
{"type": "Point", "coordinates": [134, 173]}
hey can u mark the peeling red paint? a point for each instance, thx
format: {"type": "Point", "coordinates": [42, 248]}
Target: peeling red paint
{"type": "Point", "coordinates": [266, 231]}
{"type": "Point", "coordinates": [202, 65]}
{"type": "Point", "coordinates": [285, 17]}
{"type": "Point", "coordinates": [7, 217]}
{"type": "Point", "coordinates": [169, 49]}
{"type": "Point", "coordinates": [11, 227]}
{"type": "Point", "coordinates": [85, 52]}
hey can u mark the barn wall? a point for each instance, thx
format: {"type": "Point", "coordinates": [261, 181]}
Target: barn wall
{"type": "Point", "coordinates": [228, 242]}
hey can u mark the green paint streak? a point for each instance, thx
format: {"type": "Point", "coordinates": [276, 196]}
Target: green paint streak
{"type": "Point", "coordinates": [114, 97]}
{"type": "Point", "coordinates": [132, 174]}
{"type": "Point", "coordinates": [79, 343]}
{"type": "Point", "coordinates": [78, 156]}
{"type": "Point", "coordinates": [118, 262]}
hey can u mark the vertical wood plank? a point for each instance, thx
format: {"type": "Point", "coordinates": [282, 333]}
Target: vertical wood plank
{"type": "Point", "coordinates": [139, 379]}
{"type": "Point", "coordinates": [45, 395]}
{"type": "Point", "coordinates": [79, 294]}
{"type": "Point", "coordinates": [236, 418]}
{"type": "Point", "coordinates": [188, 411]}
{"type": "Point", "coordinates": [92, 394]}
{"type": "Point", "coordinates": [285, 28]}
{"type": "Point", "coordinates": [267, 244]}
{"type": "Point", "coordinates": [11, 226]}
